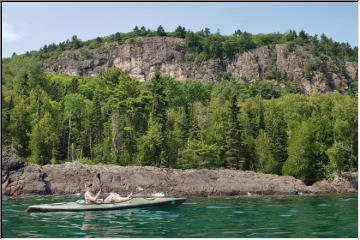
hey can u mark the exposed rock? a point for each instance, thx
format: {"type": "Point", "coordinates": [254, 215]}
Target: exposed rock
{"type": "Point", "coordinates": [69, 178]}
{"type": "Point", "coordinates": [12, 169]}
{"type": "Point", "coordinates": [141, 56]}
{"type": "Point", "coordinates": [345, 183]}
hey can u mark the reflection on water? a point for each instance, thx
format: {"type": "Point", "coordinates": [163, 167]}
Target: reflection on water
{"type": "Point", "coordinates": [86, 225]}
{"type": "Point", "coordinates": [258, 217]}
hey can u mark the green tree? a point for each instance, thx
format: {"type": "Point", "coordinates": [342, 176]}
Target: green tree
{"type": "Point", "coordinates": [73, 108]}
{"type": "Point", "coordinates": [20, 127]}
{"type": "Point", "coordinates": [159, 106]}
{"type": "Point", "coordinates": [199, 155]}
{"type": "Point", "coordinates": [43, 140]}
{"type": "Point", "coordinates": [75, 42]}
{"type": "Point", "coordinates": [136, 30]}
{"type": "Point", "coordinates": [150, 145]}
{"type": "Point", "coordinates": [160, 31]}
{"type": "Point", "coordinates": [265, 160]}
{"type": "Point", "coordinates": [117, 37]}
{"type": "Point", "coordinates": [233, 155]}
{"type": "Point", "coordinates": [180, 32]}
{"type": "Point", "coordinates": [307, 150]}
{"type": "Point", "coordinates": [276, 129]}
{"type": "Point", "coordinates": [338, 154]}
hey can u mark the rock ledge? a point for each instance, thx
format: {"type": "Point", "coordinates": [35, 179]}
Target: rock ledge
{"type": "Point", "coordinates": [19, 177]}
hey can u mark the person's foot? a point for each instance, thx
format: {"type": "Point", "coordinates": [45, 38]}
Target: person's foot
{"type": "Point", "coordinates": [130, 196]}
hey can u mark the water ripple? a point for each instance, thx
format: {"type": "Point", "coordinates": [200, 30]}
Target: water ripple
{"type": "Point", "coordinates": [241, 217]}
{"type": "Point", "coordinates": [239, 212]}
{"type": "Point", "coordinates": [346, 199]}
{"type": "Point", "coordinates": [217, 207]}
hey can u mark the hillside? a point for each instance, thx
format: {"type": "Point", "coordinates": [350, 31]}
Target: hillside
{"type": "Point", "coordinates": [243, 109]}
{"type": "Point", "coordinates": [141, 56]}
{"type": "Point", "coordinates": [297, 62]}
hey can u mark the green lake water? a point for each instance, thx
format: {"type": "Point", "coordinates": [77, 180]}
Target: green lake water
{"type": "Point", "coordinates": [327, 216]}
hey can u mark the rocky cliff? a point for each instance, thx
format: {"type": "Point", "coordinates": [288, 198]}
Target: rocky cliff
{"type": "Point", "coordinates": [141, 56]}
{"type": "Point", "coordinates": [19, 177]}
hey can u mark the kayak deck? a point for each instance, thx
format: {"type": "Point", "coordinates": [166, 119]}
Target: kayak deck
{"type": "Point", "coordinates": [132, 203]}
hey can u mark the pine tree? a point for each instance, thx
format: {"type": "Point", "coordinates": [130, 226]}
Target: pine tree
{"type": "Point", "coordinates": [136, 30]}
{"type": "Point", "coordinates": [117, 37]}
{"type": "Point", "coordinates": [180, 32]}
{"type": "Point", "coordinates": [160, 31]}
{"type": "Point", "coordinates": [158, 114]}
{"type": "Point", "coordinates": [234, 143]}
{"type": "Point", "coordinates": [195, 129]}
{"type": "Point", "coordinates": [185, 122]}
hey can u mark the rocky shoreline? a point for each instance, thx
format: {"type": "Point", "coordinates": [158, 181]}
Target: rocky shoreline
{"type": "Point", "coordinates": [20, 178]}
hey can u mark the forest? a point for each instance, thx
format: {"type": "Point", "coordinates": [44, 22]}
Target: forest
{"type": "Point", "coordinates": [115, 119]}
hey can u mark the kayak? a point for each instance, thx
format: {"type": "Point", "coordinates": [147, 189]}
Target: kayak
{"type": "Point", "coordinates": [132, 203]}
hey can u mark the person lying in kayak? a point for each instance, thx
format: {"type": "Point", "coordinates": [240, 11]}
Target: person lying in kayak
{"type": "Point", "coordinates": [91, 198]}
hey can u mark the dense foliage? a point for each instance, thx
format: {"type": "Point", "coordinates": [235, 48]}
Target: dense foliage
{"type": "Point", "coordinates": [116, 119]}
{"type": "Point", "coordinates": [204, 45]}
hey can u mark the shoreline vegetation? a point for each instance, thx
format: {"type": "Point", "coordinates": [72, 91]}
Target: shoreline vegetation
{"type": "Point", "coordinates": [164, 123]}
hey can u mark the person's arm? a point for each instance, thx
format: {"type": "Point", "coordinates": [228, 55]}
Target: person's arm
{"type": "Point", "coordinates": [91, 198]}
{"type": "Point", "coordinates": [97, 195]}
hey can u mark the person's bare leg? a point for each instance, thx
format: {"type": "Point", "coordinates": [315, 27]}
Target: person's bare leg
{"type": "Point", "coordinates": [116, 198]}
{"type": "Point", "coordinates": [110, 198]}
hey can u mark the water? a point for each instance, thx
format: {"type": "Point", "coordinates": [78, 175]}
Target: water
{"type": "Point", "coordinates": [236, 217]}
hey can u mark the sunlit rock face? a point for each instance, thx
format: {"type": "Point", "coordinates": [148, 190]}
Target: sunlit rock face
{"type": "Point", "coordinates": [141, 56]}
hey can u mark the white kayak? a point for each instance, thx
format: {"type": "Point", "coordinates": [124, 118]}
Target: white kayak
{"type": "Point", "coordinates": [132, 203]}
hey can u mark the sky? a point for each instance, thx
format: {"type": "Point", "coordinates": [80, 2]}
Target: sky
{"type": "Point", "coordinates": [29, 26]}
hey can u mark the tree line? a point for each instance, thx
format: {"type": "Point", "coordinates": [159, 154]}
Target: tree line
{"type": "Point", "coordinates": [116, 119]}
{"type": "Point", "coordinates": [204, 44]}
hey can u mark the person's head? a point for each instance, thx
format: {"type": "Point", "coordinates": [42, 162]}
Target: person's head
{"type": "Point", "coordinates": [88, 185]}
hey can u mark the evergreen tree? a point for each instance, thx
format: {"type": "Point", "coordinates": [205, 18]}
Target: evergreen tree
{"type": "Point", "coordinates": [234, 143]}
{"type": "Point", "coordinates": [117, 37]}
{"type": "Point", "coordinates": [158, 114]}
{"type": "Point", "coordinates": [19, 127]}
{"type": "Point", "coordinates": [43, 140]}
{"type": "Point", "coordinates": [180, 32]}
{"type": "Point", "coordinates": [150, 145]}
{"type": "Point", "coordinates": [195, 129]}
{"type": "Point", "coordinates": [75, 42]}
{"type": "Point", "coordinates": [160, 31]}
{"type": "Point", "coordinates": [143, 31]}
{"type": "Point", "coordinates": [136, 30]}
{"type": "Point", "coordinates": [185, 122]}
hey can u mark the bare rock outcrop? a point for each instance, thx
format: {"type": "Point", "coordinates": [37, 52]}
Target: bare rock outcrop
{"type": "Point", "coordinates": [344, 183]}
{"type": "Point", "coordinates": [20, 178]}
{"type": "Point", "coordinates": [141, 56]}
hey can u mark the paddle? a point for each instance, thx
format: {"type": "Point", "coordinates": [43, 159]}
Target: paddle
{"type": "Point", "coordinates": [98, 176]}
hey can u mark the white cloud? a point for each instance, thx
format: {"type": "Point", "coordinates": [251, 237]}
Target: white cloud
{"type": "Point", "coordinates": [9, 34]}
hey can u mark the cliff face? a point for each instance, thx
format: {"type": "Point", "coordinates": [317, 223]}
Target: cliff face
{"type": "Point", "coordinates": [141, 56]}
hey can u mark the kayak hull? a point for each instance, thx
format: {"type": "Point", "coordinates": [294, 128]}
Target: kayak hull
{"type": "Point", "coordinates": [132, 203]}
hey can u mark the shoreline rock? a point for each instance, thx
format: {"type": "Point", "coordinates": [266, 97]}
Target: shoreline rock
{"type": "Point", "coordinates": [20, 177]}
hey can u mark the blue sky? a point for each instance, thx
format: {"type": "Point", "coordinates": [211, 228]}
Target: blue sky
{"type": "Point", "coordinates": [29, 26]}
